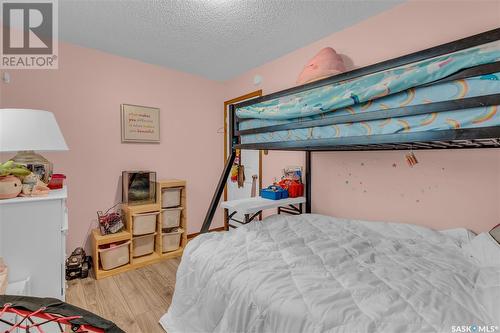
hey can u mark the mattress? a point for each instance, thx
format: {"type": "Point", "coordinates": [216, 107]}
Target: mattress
{"type": "Point", "coordinates": [370, 87]}
{"type": "Point", "coordinates": [454, 119]}
{"type": "Point", "coordinates": [313, 273]}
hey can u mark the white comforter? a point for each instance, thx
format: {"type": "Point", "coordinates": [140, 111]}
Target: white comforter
{"type": "Point", "coordinates": [313, 273]}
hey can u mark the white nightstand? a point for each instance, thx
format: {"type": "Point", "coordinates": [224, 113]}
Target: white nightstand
{"type": "Point", "coordinates": [33, 242]}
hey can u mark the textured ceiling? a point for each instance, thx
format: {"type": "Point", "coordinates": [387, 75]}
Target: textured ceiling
{"type": "Point", "coordinates": [217, 39]}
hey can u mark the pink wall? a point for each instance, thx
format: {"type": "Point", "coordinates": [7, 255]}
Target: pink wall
{"type": "Point", "coordinates": [447, 189]}
{"type": "Point", "coordinates": [85, 94]}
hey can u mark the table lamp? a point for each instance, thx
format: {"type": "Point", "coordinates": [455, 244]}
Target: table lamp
{"type": "Point", "coordinates": [25, 131]}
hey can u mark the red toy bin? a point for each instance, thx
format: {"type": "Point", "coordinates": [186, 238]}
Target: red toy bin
{"type": "Point", "coordinates": [295, 190]}
{"type": "Point", "coordinates": [57, 181]}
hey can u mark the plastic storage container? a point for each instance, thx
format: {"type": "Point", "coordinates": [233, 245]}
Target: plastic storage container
{"type": "Point", "coordinates": [171, 197]}
{"type": "Point", "coordinates": [115, 256]}
{"type": "Point", "coordinates": [171, 241]}
{"type": "Point", "coordinates": [56, 181]}
{"type": "Point", "coordinates": [171, 217]}
{"type": "Point", "coordinates": [143, 245]}
{"type": "Point", "coordinates": [274, 193]}
{"type": "Point", "coordinates": [144, 223]}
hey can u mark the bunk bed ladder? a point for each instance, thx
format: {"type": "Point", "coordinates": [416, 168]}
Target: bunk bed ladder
{"type": "Point", "coordinates": [218, 193]}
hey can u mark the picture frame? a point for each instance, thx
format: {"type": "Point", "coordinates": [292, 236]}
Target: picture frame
{"type": "Point", "coordinates": [140, 124]}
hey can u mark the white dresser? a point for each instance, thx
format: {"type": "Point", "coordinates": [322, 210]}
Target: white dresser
{"type": "Point", "coordinates": [33, 242]}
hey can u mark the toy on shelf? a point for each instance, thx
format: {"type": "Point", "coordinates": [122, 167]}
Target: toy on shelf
{"type": "Point", "coordinates": [274, 192]}
{"type": "Point", "coordinates": [16, 179]}
{"type": "Point", "coordinates": [290, 183]}
{"type": "Point", "coordinates": [33, 186]}
{"type": "Point", "coordinates": [295, 189]}
{"type": "Point", "coordinates": [12, 168]}
{"type": "Point", "coordinates": [10, 179]}
{"type": "Point", "coordinates": [10, 187]}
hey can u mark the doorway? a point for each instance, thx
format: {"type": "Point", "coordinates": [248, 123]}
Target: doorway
{"type": "Point", "coordinates": [251, 160]}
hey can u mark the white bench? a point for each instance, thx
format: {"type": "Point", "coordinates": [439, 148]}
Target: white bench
{"type": "Point", "coordinates": [253, 207]}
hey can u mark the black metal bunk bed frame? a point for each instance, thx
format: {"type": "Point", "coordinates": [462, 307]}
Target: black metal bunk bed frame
{"type": "Point", "coordinates": [486, 137]}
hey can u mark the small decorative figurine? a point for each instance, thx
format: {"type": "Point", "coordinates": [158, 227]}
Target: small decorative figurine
{"type": "Point", "coordinates": [33, 186]}
{"type": "Point", "coordinates": [29, 182]}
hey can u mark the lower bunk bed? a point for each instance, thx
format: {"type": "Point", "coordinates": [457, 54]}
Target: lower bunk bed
{"type": "Point", "coordinates": [313, 273]}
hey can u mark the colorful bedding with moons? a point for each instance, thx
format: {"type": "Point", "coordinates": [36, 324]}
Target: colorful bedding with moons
{"type": "Point", "coordinates": [371, 87]}
{"type": "Point", "coordinates": [464, 118]}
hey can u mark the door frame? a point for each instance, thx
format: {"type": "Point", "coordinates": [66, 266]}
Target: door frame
{"type": "Point", "coordinates": [242, 98]}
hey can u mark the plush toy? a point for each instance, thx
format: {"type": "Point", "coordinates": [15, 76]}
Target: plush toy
{"type": "Point", "coordinates": [10, 187]}
{"type": "Point", "coordinates": [29, 182]}
{"type": "Point", "coordinates": [326, 63]}
{"type": "Point", "coordinates": [238, 170]}
{"type": "Point", "coordinates": [33, 186]}
{"type": "Point", "coordinates": [234, 170]}
{"type": "Point", "coordinates": [10, 175]}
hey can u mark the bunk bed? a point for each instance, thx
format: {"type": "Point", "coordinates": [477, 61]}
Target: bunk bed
{"type": "Point", "coordinates": [313, 273]}
{"type": "Point", "coordinates": [468, 118]}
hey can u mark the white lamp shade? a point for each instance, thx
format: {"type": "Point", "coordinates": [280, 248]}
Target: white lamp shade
{"type": "Point", "coordinates": [25, 129]}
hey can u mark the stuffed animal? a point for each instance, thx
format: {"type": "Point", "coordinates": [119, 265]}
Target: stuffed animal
{"type": "Point", "coordinates": [33, 186]}
{"type": "Point", "coordinates": [326, 63]}
{"type": "Point", "coordinates": [10, 175]}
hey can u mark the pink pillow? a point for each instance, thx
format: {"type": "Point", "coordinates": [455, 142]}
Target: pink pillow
{"type": "Point", "coordinates": [326, 63]}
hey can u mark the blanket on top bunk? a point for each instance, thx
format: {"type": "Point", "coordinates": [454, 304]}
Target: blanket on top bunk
{"type": "Point", "coordinates": [369, 87]}
{"type": "Point", "coordinates": [452, 90]}
{"type": "Point", "coordinates": [314, 273]}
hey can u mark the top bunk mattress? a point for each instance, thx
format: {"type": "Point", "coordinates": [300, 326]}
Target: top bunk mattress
{"type": "Point", "coordinates": [464, 118]}
{"type": "Point", "coordinates": [314, 273]}
{"type": "Point", "coordinates": [360, 90]}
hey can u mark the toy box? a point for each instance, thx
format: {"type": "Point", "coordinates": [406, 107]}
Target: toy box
{"type": "Point", "coordinates": [274, 193]}
{"type": "Point", "coordinates": [295, 190]}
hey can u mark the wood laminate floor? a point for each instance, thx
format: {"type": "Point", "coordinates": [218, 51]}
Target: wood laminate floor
{"type": "Point", "coordinates": [133, 300]}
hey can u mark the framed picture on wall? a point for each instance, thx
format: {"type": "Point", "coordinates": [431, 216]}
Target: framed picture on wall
{"type": "Point", "coordinates": [140, 124]}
